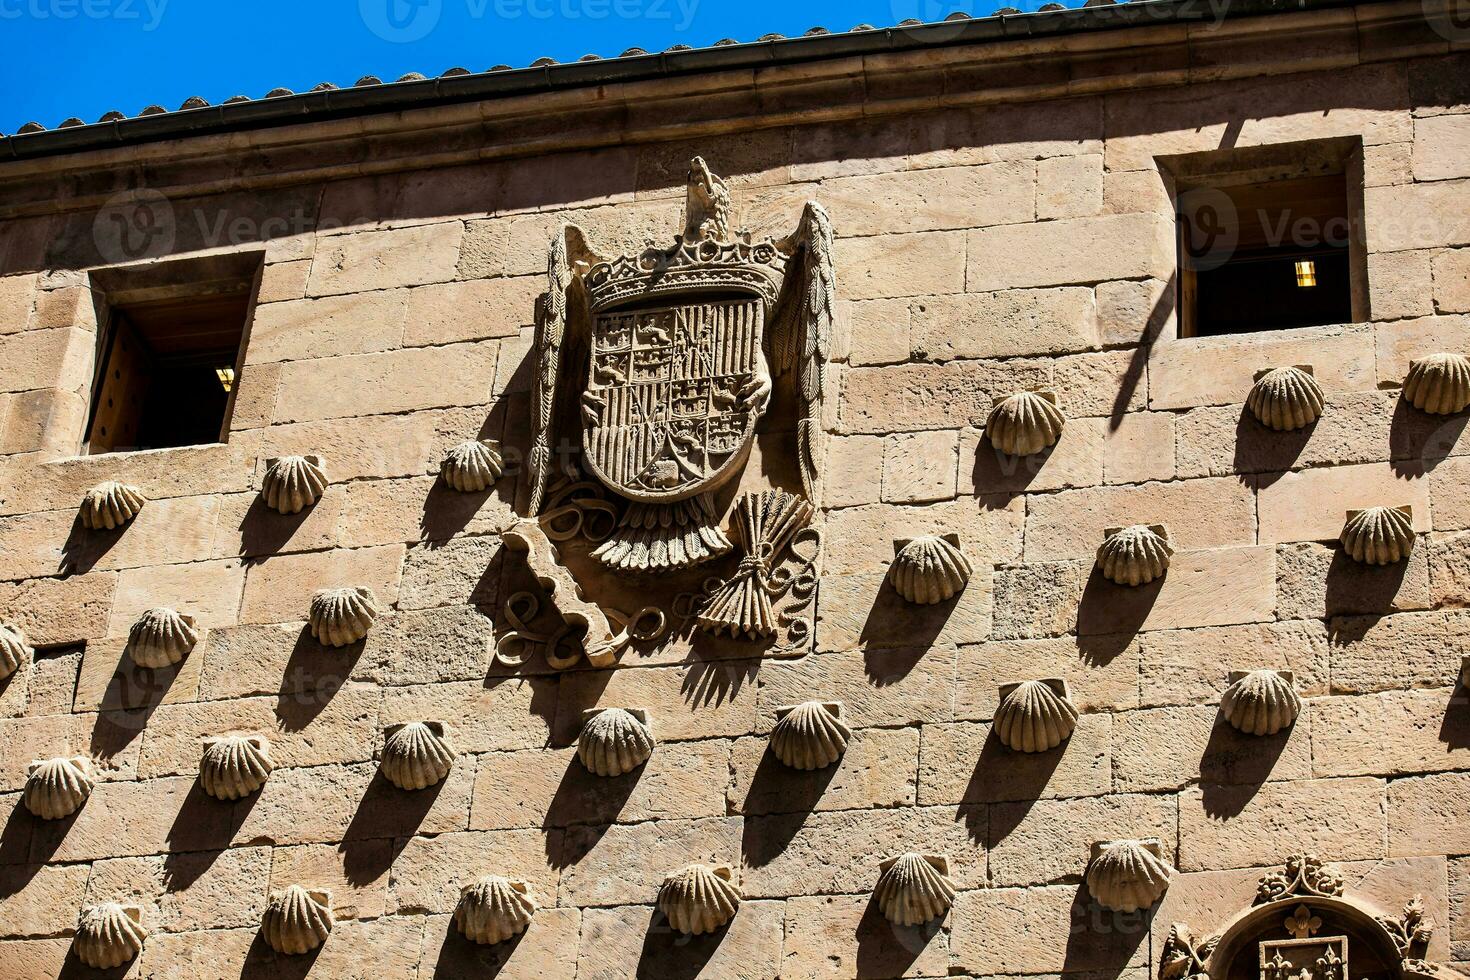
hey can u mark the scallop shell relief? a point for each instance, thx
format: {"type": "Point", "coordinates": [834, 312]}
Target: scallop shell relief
{"type": "Point", "coordinates": [699, 899]}
{"type": "Point", "coordinates": [416, 755]}
{"type": "Point", "coordinates": [235, 766]}
{"type": "Point", "coordinates": [1286, 398]}
{"type": "Point", "coordinates": [1034, 716]}
{"type": "Point", "coordinates": [811, 735]}
{"type": "Point", "coordinates": [14, 651]}
{"type": "Point", "coordinates": [1025, 423]}
{"type": "Point", "coordinates": [293, 483]}
{"type": "Point", "coordinates": [161, 638]}
{"type": "Point", "coordinates": [914, 888]}
{"type": "Point", "coordinates": [1128, 875]}
{"type": "Point", "coordinates": [1260, 702]}
{"type": "Point", "coordinates": [929, 569]}
{"type": "Point", "coordinates": [340, 617]}
{"type": "Point", "coordinates": [109, 935]}
{"type": "Point", "coordinates": [57, 788]}
{"type": "Point", "coordinates": [494, 909]}
{"type": "Point", "coordinates": [1135, 555]}
{"type": "Point", "coordinates": [614, 741]}
{"type": "Point", "coordinates": [1379, 535]}
{"type": "Point", "coordinates": [110, 505]}
{"type": "Point", "coordinates": [296, 920]}
{"type": "Point", "coordinates": [1439, 384]}
{"type": "Point", "coordinates": [473, 466]}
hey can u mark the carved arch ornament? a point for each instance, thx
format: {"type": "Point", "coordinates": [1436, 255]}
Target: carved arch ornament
{"type": "Point", "coordinates": [1302, 927]}
{"type": "Point", "coordinates": [657, 366]}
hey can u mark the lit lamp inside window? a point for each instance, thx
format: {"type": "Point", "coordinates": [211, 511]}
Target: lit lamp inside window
{"type": "Point", "coordinates": [1306, 274]}
{"type": "Point", "coordinates": [226, 374]}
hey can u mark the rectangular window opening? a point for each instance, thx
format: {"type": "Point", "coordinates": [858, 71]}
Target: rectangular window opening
{"type": "Point", "coordinates": [170, 352]}
{"type": "Point", "coordinates": [1269, 237]}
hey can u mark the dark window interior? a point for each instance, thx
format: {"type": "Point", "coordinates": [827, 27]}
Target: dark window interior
{"type": "Point", "coordinates": [1267, 238]}
{"type": "Point", "coordinates": [170, 357]}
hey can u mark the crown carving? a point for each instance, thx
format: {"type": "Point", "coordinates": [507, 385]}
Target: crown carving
{"type": "Point", "coordinates": [738, 264]}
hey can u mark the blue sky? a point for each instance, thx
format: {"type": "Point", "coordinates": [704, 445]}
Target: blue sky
{"type": "Point", "coordinates": [84, 57]}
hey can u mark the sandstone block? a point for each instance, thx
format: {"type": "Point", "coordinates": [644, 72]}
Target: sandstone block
{"type": "Point", "coordinates": [1069, 187]}
{"type": "Point", "coordinates": [1007, 132]}
{"type": "Point", "coordinates": [123, 819]}
{"type": "Point", "coordinates": [1451, 508]}
{"type": "Point", "coordinates": [1312, 505]}
{"type": "Point", "coordinates": [1314, 581]}
{"type": "Point", "coordinates": [374, 260]}
{"type": "Point", "coordinates": [378, 446]}
{"type": "Point", "coordinates": [920, 264]}
{"type": "Point", "coordinates": [875, 771]}
{"type": "Point", "coordinates": [1037, 600]}
{"type": "Point", "coordinates": [40, 900]}
{"type": "Point", "coordinates": [1051, 840]}
{"type": "Point", "coordinates": [1388, 733]}
{"type": "Point", "coordinates": [1044, 931]}
{"type": "Point", "coordinates": [1401, 342]}
{"type": "Point", "coordinates": [54, 611]}
{"type": "Point", "coordinates": [873, 332]}
{"type": "Point", "coordinates": [1102, 672]}
{"type": "Point", "coordinates": [839, 936]}
{"type": "Point", "coordinates": [833, 853]}
{"type": "Point", "coordinates": [475, 310]}
{"type": "Point", "coordinates": [53, 683]}
{"type": "Point", "coordinates": [1441, 147]}
{"type": "Point", "coordinates": [1449, 569]}
{"type": "Point", "coordinates": [854, 471]}
{"type": "Point", "coordinates": [209, 590]}
{"type": "Point", "coordinates": [327, 327]}
{"type": "Point", "coordinates": [898, 686]}
{"type": "Point", "coordinates": [1170, 748]}
{"type": "Point", "coordinates": [59, 358]}
{"type": "Point", "coordinates": [489, 715]}
{"type": "Point", "coordinates": [1221, 370]}
{"type": "Point", "coordinates": [860, 539]}
{"type": "Point", "coordinates": [35, 959]}
{"type": "Point", "coordinates": [626, 863]}
{"type": "Point", "coordinates": [282, 281]}
{"type": "Point", "coordinates": [1075, 461]}
{"type": "Point", "coordinates": [358, 884]}
{"type": "Point", "coordinates": [184, 892]}
{"type": "Point", "coordinates": [1192, 666]}
{"type": "Point", "coordinates": [1241, 826]}
{"type": "Point", "coordinates": [1128, 191]}
{"type": "Point", "coordinates": [464, 571]}
{"type": "Point", "coordinates": [864, 611]}
{"type": "Point", "coordinates": [386, 382]}
{"type": "Point", "coordinates": [932, 200]}
{"type": "Point", "coordinates": [279, 590]}
{"type": "Point", "coordinates": [43, 421]}
{"type": "Point", "coordinates": [1208, 513]}
{"type": "Point", "coordinates": [1134, 311]}
{"type": "Point", "coordinates": [1420, 215]}
{"type": "Point", "coordinates": [637, 941]}
{"type": "Point", "coordinates": [966, 763]}
{"type": "Point", "coordinates": [109, 680]}
{"type": "Point", "coordinates": [920, 467]}
{"type": "Point", "coordinates": [1354, 428]}
{"type": "Point", "coordinates": [698, 701]}
{"type": "Point", "coordinates": [913, 397]}
{"type": "Point", "coordinates": [1399, 284]}
{"type": "Point", "coordinates": [1451, 275]}
{"type": "Point", "coordinates": [544, 950]}
{"type": "Point", "coordinates": [17, 298]}
{"type": "Point", "coordinates": [1139, 447]}
{"type": "Point", "coordinates": [1368, 651]}
{"type": "Point", "coordinates": [1010, 323]}
{"type": "Point", "coordinates": [1426, 815]}
{"type": "Point", "coordinates": [1068, 251]}
{"type": "Point", "coordinates": [1202, 588]}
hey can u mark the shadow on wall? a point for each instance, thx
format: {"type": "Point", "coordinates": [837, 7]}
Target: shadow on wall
{"type": "Point", "coordinates": [1103, 943]}
{"type": "Point", "coordinates": [1005, 785]}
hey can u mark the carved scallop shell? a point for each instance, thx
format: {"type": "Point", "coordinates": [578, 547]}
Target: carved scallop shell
{"type": "Point", "coordinates": [810, 735]}
{"type": "Point", "coordinates": [57, 788]}
{"type": "Point", "coordinates": [494, 909]}
{"type": "Point", "coordinates": [1034, 716]}
{"type": "Point", "coordinates": [1260, 702]}
{"type": "Point", "coordinates": [14, 650]}
{"type": "Point", "coordinates": [914, 888]}
{"type": "Point", "coordinates": [614, 740]}
{"type": "Point", "coordinates": [109, 935]}
{"type": "Point", "coordinates": [1286, 398]}
{"type": "Point", "coordinates": [929, 569]}
{"type": "Point", "coordinates": [161, 638]}
{"type": "Point", "coordinates": [1134, 555]}
{"type": "Point", "coordinates": [416, 755]}
{"type": "Point", "coordinates": [235, 766]}
{"type": "Point", "coordinates": [296, 920]}
{"type": "Point", "coordinates": [293, 483]}
{"type": "Point", "coordinates": [1128, 875]}
{"type": "Point", "coordinates": [342, 616]}
{"type": "Point", "coordinates": [110, 505]}
{"type": "Point", "coordinates": [699, 899]}
{"type": "Point", "coordinates": [1025, 423]}
{"type": "Point", "coordinates": [1379, 535]}
{"type": "Point", "coordinates": [1439, 384]}
{"type": "Point", "coordinates": [473, 466]}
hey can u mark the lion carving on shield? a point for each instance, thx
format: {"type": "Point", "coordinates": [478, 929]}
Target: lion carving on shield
{"type": "Point", "coordinates": [668, 356]}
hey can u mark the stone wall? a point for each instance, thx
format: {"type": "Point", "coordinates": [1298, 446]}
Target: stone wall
{"type": "Point", "coordinates": [979, 251]}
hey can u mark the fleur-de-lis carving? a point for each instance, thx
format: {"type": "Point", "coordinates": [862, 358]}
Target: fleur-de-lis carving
{"type": "Point", "coordinates": [1302, 923]}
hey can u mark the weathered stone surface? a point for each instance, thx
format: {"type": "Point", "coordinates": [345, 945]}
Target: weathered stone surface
{"type": "Point", "coordinates": [1354, 428]}
{"type": "Point", "coordinates": [1170, 748]}
{"type": "Point", "coordinates": [1037, 600]}
{"type": "Point", "coordinates": [1014, 322]}
{"type": "Point", "coordinates": [1399, 343]}
{"type": "Point", "coordinates": [1311, 505]}
{"type": "Point", "coordinates": [1389, 733]}
{"type": "Point", "coordinates": [860, 539]}
{"type": "Point", "coordinates": [39, 900]}
{"type": "Point", "coordinates": [1451, 275]}
{"type": "Point", "coordinates": [446, 952]}
{"type": "Point", "coordinates": [384, 383]}
{"type": "Point", "coordinates": [1209, 513]}
{"type": "Point", "coordinates": [109, 680]}
{"type": "Point", "coordinates": [358, 892]}
{"type": "Point", "coordinates": [1192, 666]}
{"type": "Point", "coordinates": [383, 259]}
{"type": "Point", "coordinates": [279, 590]}
{"type": "Point", "coordinates": [1135, 312]}
{"type": "Point", "coordinates": [475, 310]}
{"type": "Point", "coordinates": [17, 298]}
{"type": "Point", "coordinates": [488, 715]}
{"type": "Point", "coordinates": [864, 611]}
{"type": "Point", "coordinates": [921, 264]}
{"type": "Point", "coordinates": [966, 763]}
{"type": "Point", "coordinates": [551, 788]}
{"type": "Point", "coordinates": [1101, 671]}
{"type": "Point", "coordinates": [184, 892]}
{"type": "Point", "coordinates": [839, 936]}
{"type": "Point", "coordinates": [875, 771]}
{"type": "Point", "coordinates": [1051, 840]}
{"type": "Point", "coordinates": [1399, 285]}
{"type": "Point", "coordinates": [1075, 250]}
{"type": "Point", "coordinates": [1449, 569]}
{"type": "Point", "coordinates": [1042, 931]}
{"type": "Point", "coordinates": [1239, 826]}
{"type": "Point", "coordinates": [426, 647]}
{"type": "Point", "coordinates": [1202, 588]}
{"type": "Point", "coordinates": [941, 199]}
{"type": "Point", "coordinates": [378, 445]}
{"type": "Point", "coordinates": [1069, 187]}
{"type": "Point", "coordinates": [1314, 581]}
{"type": "Point", "coordinates": [1368, 652]}
{"type": "Point", "coordinates": [1104, 383]}
{"type": "Point", "coordinates": [898, 686]}
{"type": "Point", "coordinates": [465, 571]}
{"type": "Point", "coordinates": [1426, 814]}
{"type": "Point", "coordinates": [1139, 447]}
{"type": "Point", "coordinates": [920, 467]}
{"type": "Point", "coordinates": [626, 863]}
{"type": "Point", "coordinates": [1451, 508]}
{"type": "Point", "coordinates": [699, 701]}
{"type": "Point", "coordinates": [1221, 370]}
{"type": "Point", "coordinates": [636, 941]}
{"type": "Point", "coordinates": [53, 611]}
{"type": "Point", "coordinates": [854, 471]}
{"type": "Point", "coordinates": [1076, 460]}
{"type": "Point", "coordinates": [209, 590]}
{"type": "Point", "coordinates": [329, 327]}
{"type": "Point", "coordinates": [913, 397]}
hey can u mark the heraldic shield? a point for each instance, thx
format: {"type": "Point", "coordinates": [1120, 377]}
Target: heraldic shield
{"type": "Point", "coordinates": [680, 347]}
